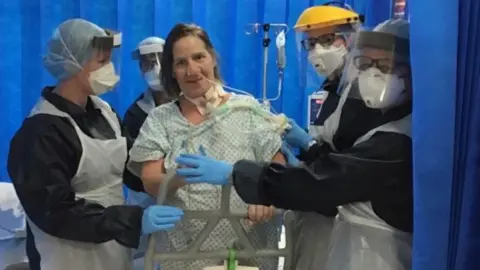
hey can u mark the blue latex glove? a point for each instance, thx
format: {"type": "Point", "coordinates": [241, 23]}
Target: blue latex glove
{"type": "Point", "coordinates": [296, 136]}
{"type": "Point", "coordinates": [203, 169]}
{"type": "Point", "coordinates": [160, 218]}
{"type": "Point", "coordinates": [289, 155]}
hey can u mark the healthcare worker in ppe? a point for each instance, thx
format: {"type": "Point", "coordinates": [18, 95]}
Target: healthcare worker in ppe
{"type": "Point", "coordinates": [148, 54]}
{"type": "Point", "coordinates": [322, 34]}
{"type": "Point", "coordinates": [366, 168]}
{"type": "Point", "coordinates": [67, 160]}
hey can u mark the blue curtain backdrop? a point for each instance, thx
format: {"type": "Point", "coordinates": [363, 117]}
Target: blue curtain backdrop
{"type": "Point", "coordinates": [26, 26]}
{"type": "Point", "coordinates": [445, 63]}
{"type": "Point", "coordinates": [434, 65]}
{"type": "Point", "coordinates": [446, 69]}
{"type": "Point", "coordinates": [464, 249]}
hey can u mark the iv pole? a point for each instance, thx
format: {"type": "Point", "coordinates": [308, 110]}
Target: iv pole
{"type": "Point", "coordinates": [281, 59]}
{"type": "Point", "coordinates": [266, 43]}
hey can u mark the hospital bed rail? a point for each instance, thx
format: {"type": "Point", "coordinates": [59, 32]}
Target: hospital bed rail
{"type": "Point", "coordinates": [152, 258]}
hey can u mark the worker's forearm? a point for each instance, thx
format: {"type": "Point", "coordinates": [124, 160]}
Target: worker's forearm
{"type": "Point", "coordinates": [246, 179]}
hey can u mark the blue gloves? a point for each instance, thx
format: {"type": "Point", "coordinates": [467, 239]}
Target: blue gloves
{"type": "Point", "coordinates": [160, 218]}
{"type": "Point", "coordinates": [203, 169]}
{"type": "Point", "coordinates": [296, 136]}
{"type": "Point", "coordinates": [289, 155]}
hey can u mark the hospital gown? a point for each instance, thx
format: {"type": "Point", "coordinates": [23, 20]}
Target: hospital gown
{"type": "Point", "coordinates": [231, 135]}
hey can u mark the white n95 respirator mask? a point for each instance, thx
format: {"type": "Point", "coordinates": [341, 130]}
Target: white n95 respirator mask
{"type": "Point", "coordinates": [103, 79]}
{"type": "Point", "coordinates": [327, 60]}
{"type": "Point", "coordinates": [152, 78]}
{"type": "Point", "coordinates": [381, 91]}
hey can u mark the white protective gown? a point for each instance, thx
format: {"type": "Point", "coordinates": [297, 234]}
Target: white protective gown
{"type": "Point", "coordinates": [98, 179]}
{"type": "Point", "coordinates": [360, 239]}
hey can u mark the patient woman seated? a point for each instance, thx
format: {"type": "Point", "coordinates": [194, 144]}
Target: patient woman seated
{"type": "Point", "coordinates": [190, 73]}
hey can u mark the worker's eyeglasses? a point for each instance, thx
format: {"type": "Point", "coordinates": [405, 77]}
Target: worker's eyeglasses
{"type": "Point", "coordinates": [365, 62]}
{"type": "Point", "coordinates": [324, 40]}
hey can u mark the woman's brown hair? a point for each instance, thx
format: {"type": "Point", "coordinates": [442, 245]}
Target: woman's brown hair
{"type": "Point", "coordinates": [178, 32]}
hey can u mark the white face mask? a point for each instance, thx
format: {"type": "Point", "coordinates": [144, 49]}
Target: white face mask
{"type": "Point", "coordinates": [152, 77]}
{"type": "Point", "coordinates": [103, 79]}
{"type": "Point", "coordinates": [327, 60]}
{"type": "Point", "coordinates": [381, 91]}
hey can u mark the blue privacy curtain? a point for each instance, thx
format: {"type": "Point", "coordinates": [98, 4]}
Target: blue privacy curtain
{"type": "Point", "coordinates": [446, 74]}
{"type": "Point", "coordinates": [464, 251]}
{"type": "Point", "coordinates": [26, 25]}
{"type": "Point", "coordinates": [434, 67]}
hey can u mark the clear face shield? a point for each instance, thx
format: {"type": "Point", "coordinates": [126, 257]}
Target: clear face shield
{"type": "Point", "coordinates": [377, 70]}
{"type": "Point", "coordinates": [106, 64]}
{"type": "Point", "coordinates": [322, 52]}
{"type": "Point", "coordinates": [107, 44]}
{"type": "Point", "coordinates": [149, 57]}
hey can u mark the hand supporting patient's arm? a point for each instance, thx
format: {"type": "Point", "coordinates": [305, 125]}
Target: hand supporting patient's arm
{"type": "Point", "coordinates": [153, 174]}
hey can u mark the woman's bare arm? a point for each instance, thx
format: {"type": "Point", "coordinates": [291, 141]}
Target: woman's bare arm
{"type": "Point", "coordinates": [279, 158]}
{"type": "Point", "coordinates": [153, 174]}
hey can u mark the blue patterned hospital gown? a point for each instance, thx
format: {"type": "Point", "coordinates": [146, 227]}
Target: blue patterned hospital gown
{"type": "Point", "coordinates": [231, 135]}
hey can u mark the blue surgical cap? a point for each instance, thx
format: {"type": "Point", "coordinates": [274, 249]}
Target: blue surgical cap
{"type": "Point", "coordinates": [70, 47]}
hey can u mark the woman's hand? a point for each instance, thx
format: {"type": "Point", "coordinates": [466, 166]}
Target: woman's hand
{"type": "Point", "coordinates": [259, 214]}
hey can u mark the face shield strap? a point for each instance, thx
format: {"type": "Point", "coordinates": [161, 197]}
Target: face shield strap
{"type": "Point", "coordinates": [111, 40]}
{"type": "Point", "coordinates": [383, 41]}
{"type": "Point", "coordinates": [147, 49]}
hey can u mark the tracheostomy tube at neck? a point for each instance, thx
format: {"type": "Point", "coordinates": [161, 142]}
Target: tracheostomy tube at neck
{"type": "Point", "coordinates": [215, 106]}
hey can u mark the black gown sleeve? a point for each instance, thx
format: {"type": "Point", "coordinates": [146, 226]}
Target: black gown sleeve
{"type": "Point", "coordinates": [333, 180]}
{"type": "Point", "coordinates": [134, 119]}
{"type": "Point", "coordinates": [315, 152]}
{"type": "Point", "coordinates": [129, 179]}
{"type": "Point", "coordinates": [43, 158]}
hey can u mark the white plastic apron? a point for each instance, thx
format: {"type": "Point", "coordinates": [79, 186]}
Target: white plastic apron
{"type": "Point", "coordinates": [313, 230]}
{"type": "Point", "coordinates": [98, 179]}
{"type": "Point", "coordinates": [312, 237]}
{"type": "Point", "coordinates": [363, 241]}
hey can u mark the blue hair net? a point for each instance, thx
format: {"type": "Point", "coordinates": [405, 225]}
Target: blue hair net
{"type": "Point", "coordinates": [70, 47]}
